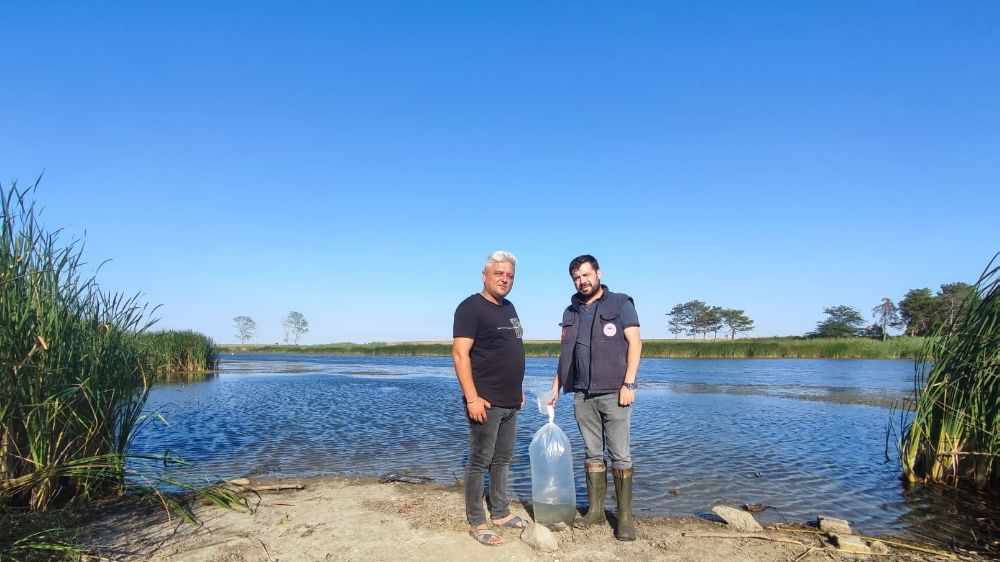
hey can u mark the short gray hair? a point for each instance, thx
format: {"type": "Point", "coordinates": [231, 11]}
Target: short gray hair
{"type": "Point", "coordinates": [501, 256]}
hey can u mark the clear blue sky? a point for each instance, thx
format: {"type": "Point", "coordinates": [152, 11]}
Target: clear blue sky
{"type": "Point", "coordinates": [357, 161]}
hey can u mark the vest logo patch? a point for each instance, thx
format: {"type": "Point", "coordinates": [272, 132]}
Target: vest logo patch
{"type": "Point", "coordinates": [610, 330]}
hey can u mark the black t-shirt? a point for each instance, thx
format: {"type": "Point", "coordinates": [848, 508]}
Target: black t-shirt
{"type": "Point", "coordinates": [497, 348]}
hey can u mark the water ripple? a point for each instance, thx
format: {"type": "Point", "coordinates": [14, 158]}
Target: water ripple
{"type": "Point", "coordinates": [787, 433]}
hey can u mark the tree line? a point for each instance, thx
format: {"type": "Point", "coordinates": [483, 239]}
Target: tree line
{"type": "Point", "coordinates": [696, 317]}
{"type": "Point", "coordinates": [919, 313]}
{"type": "Point", "coordinates": [295, 326]}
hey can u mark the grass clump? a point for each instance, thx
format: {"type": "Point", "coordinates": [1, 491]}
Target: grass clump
{"type": "Point", "coordinates": [954, 436]}
{"type": "Point", "coordinates": [175, 353]}
{"type": "Point", "coordinates": [75, 373]}
{"type": "Point", "coordinates": [72, 373]}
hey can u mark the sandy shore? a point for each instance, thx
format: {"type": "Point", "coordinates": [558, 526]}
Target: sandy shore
{"type": "Point", "coordinates": [336, 518]}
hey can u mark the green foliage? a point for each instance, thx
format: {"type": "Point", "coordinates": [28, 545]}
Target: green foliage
{"type": "Point", "coordinates": [755, 348]}
{"type": "Point", "coordinates": [886, 315]}
{"type": "Point", "coordinates": [75, 372]}
{"type": "Point", "coordinates": [737, 321]}
{"type": "Point", "coordinates": [841, 322]}
{"type": "Point", "coordinates": [916, 310]}
{"type": "Point", "coordinates": [295, 326]}
{"type": "Point", "coordinates": [924, 313]}
{"type": "Point", "coordinates": [246, 328]}
{"type": "Point", "coordinates": [894, 348]}
{"type": "Point", "coordinates": [174, 353]}
{"type": "Point", "coordinates": [949, 300]}
{"type": "Point", "coordinates": [677, 322]}
{"type": "Point", "coordinates": [696, 318]}
{"type": "Point", "coordinates": [954, 434]}
{"type": "Point", "coordinates": [873, 331]}
{"type": "Point", "coordinates": [73, 375]}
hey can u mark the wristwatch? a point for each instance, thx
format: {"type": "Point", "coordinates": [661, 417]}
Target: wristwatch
{"type": "Point", "coordinates": [630, 385]}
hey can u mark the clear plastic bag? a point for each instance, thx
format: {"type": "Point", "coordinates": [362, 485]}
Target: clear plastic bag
{"type": "Point", "coordinates": [553, 493]}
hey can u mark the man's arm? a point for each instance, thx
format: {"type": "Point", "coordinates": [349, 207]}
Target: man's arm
{"type": "Point", "coordinates": [626, 396]}
{"type": "Point", "coordinates": [474, 405]}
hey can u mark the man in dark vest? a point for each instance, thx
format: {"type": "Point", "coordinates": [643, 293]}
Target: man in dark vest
{"type": "Point", "coordinates": [488, 353]}
{"type": "Point", "coordinates": [598, 362]}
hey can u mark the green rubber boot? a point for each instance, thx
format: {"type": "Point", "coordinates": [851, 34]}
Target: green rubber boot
{"type": "Point", "coordinates": [597, 491]}
{"type": "Point", "coordinates": [623, 492]}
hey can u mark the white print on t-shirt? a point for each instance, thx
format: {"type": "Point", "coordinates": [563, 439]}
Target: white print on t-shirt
{"type": "Point", "coordinates": [518, 330]}
{"type": "Point", "coordinates": [610, 330]}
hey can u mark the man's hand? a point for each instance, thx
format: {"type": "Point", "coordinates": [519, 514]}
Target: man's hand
{"type": "Point", "coordinates": [554, 396]}
{"type": "Point", "coordinates": [523, 398]}
{"type": "Point", "coordinates": [625, 397]}
{"type": "Point", "coordinates": [477, 409]}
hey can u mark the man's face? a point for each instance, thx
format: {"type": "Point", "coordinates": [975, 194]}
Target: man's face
{"type": "Point", "coordinates": [587, 279]}
{"type": "Point", "coordinates": [498, 279]}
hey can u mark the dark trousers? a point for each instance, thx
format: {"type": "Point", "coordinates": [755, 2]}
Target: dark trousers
{"type": "Point", "coordinates": [491, 446]}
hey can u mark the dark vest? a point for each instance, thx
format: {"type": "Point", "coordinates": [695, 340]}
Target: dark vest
{"type": "Point", "coordinates": [608, 347]}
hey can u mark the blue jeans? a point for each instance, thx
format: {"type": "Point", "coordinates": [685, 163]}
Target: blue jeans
{"type": "Point", "coordinates": [491, 446]}
{"type": "Point", "coordinates": [602, 421]}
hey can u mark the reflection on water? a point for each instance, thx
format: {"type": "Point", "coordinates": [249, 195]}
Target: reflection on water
{"type": "Point", "coordinates": [184, 377]}
{"type": "Point", "coordinates": [807, 437]}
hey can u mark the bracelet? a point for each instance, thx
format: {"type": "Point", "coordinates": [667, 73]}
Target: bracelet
{"type": "Point", "coordinates": [471, 401]}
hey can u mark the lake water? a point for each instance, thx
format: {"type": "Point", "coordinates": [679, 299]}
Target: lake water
{"type": "Point", "coordinates": [806, 437]}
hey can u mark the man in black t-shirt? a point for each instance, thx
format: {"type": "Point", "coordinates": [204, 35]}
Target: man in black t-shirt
{"type": "Point", "coordinates": [488, 352]}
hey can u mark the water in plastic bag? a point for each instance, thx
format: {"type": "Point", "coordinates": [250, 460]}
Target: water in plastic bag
{"type": "Point", "coordinates": [553, 493]}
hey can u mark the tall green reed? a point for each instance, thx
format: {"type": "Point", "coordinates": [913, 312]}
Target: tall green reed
{"type": "Point", "coordinates": [75, 370]}
{"type": "Point", "coordinates": [955, 432]}
{"type": "Point", "coordinates": [73, 378]}
{"type": "Point", "coordinates": [176, 353]}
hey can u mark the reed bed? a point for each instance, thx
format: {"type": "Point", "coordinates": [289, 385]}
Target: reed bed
{"type": "Point", "coordinates": [72, 373]}
{"type": "Point", "coordinates": [74, 377]}
{"type": "Point", "coordinates": [954, 436]}
{"type": "Point", "coordinates": [903, 347]}
{"type": "Point", "coordinates": [180, 353]}
{"type": "Point", "coordinates": [813, 348]}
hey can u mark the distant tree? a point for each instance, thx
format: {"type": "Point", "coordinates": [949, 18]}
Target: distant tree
{"type": "Point", "coordinates": [949, 300]}
{"type": "Point", "coordinates": [875, 332]}
{"type": "Point", "coordinates": [678, 321]}
{"type": "Point", "coordinates": [922, 312]}
{"type": "Point", "coordinates": [916, 311]}
{"type": "Point", "coordinates": [295, 326]}
{"type": "Point", "coordinates": [698, 318]}
{"type": "Point", "coordinates": [712, 321]}
{"type": "Point", "coordinates": [689, 316]}
{"type": "Point", "coordinates": [246, 328]}
{"type": "Point", "coordinates": [696, 313]}
{"type": "Point", "coordinates": [886, 315]}
{"type": "Point", "coordinates": [842, 322]}
{"type": "Point", "coordinates": [736, 321]}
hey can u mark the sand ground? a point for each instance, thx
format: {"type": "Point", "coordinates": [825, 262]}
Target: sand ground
{"type": "Point", "coordinates": [339, 518]}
